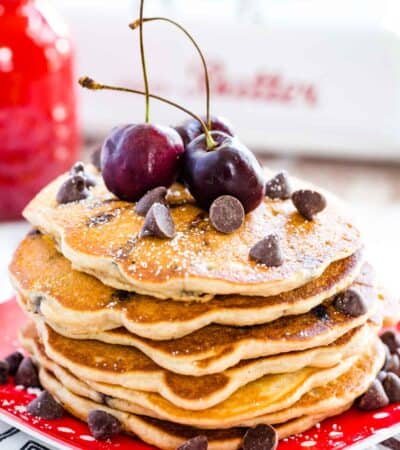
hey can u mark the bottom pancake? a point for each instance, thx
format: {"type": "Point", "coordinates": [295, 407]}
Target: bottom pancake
{"type": "Point", "coordinates": [167, 435]}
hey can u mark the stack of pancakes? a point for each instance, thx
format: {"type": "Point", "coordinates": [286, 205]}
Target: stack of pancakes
{"type": "Point", "coordinates": [188, 336]}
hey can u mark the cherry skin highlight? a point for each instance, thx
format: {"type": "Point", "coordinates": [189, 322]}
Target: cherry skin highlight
{"type": "Point", "coordinates": [228, 169]}
{"type": "Point", "coordinates": [139, 157]}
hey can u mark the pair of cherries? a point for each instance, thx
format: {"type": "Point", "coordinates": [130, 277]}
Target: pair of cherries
{"type": "Point", "coordinates": [138, 158]}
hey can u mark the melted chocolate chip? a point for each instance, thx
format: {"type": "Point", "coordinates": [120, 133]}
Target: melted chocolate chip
{"type": "Point", "coordinates": [121, 296]}
{"type": "Point", "coordinates": [4, 371]}
{"type": "Point", "coordinates": [321, 312]}
{"type": "Point", "coordinates": [196, 443]}
{"type": "Point", "coordinates": [36, 303]}
{"type": "Point", "coordinates": [103, 425]}
{"type": "Point", "coordinates": [79, 169]}
{"type": "Point", "coordinates": [308, 203]}
{"type": "Point", "coordinates": [278, 187]}
{"type": "Point", "coordinates": [391, 384]}
{"type": "Point", "coordinates": [267, 252]}
{"type": "Point", "coordinates": [45, 407]}
{"type": "Point", "coordinates": [374, 398]}
{"type": "Point", "coordinates": [351, 303]}
{"type": "Point", "coordinates": [27, 374]}
{"type": "Point", "coordinates": [262, 437]}
{"type": "Point", "coordinates": [226, 214]}
{"type": "Point", "coordinates": [156, 195]}
{"type": "Point", "coordinates": [392, 340]}
{"type": "Point", "coordinates": [14, 360]}
{"type": "Point", "coordinates": [158, 222]}
{"type": "Point", "coordinates": [95, 158]}
{"type": "Point", "coordinates": [73, 189]}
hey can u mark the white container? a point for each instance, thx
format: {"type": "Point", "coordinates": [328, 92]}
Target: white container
{"type": "Point", "coordinates": [316, 77]}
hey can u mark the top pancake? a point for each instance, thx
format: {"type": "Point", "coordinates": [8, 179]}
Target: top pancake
{"type": "Point", "coordinates": [99, 235]}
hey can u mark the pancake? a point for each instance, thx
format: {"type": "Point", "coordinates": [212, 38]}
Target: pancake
{"type": "Point", "coordinates": [82, 303]}
{"type": "Point", "coordinates": [334, 393]}
{"type": "Point", "coordinates": [131, 369]}
{"type": "Point", "coordinates": [167, 435]}
{"type": "Point", "coordinates": [215, 348]}
{"type": "Point", "coordinates": [99, 235]}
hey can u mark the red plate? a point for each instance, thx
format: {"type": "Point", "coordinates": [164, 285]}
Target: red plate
{"type": "Point", "coordinates": [353, 429]}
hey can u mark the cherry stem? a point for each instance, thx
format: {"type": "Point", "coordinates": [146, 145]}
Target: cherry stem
{"type": "Point", "coordinates": [93, 85]}
{"type": "Point", "coordinates": [143, 60]}
{"type": "Point", "coordinates": [136, 24]}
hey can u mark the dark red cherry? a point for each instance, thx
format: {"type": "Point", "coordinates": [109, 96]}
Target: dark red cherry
{"type": "Point", "coordinates": [137, 158]}
{"type": "Point", "coordinates": [228, 169]}
{"type": "Point", "coordinates": [192, 128]}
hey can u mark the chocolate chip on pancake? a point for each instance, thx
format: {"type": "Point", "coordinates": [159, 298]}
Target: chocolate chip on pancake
{"type": "Point", "coordinates": [45, 407]}
{"type": "Point", "coordinates": [226, 214]}
{"type": "Point", "coordinates": [392, 340]}
{"type": "Point", "coordinates": [351, 303]}
{"type": "Point", "coordinates": [278, 187]}
{"type": "Point", "coordinates": [27, 374]}
{"type": "Point", "coordinates": [321, 311]}
{"type": "Point", "coordinates": [103, 425]}
{"type": "Point", "coordinates": [391, 384]}
{"type": "Point", "coordinates": [374, 398]}
{"type": "Point", "coordinates": [158, 222]}
{"type": "Point", "coordinates": [267, 251]}
{"type": "Point", "coordinates": [262, 437]}
{"type": "Point", "coordinates": [196, 443]}
{"type": "Point", "coordinates": [95, 158]}
{"type": "Point", "coordinates": [308, 203]}
{"type": "Point", "coordinates": [14, 360]}
{"type": "Point", "coordinates": [79, 169]}
{"type": "Point", "coordinates": [156, 195]}
{"type": "Point", "coordinates": [73, 189]}
{"type": "Point", "coordinates": [4, 371]}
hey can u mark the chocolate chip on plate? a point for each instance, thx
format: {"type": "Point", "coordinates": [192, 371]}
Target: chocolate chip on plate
{"type": "Point", "coordinates": [156, 195]}
{"type": "Point", "coordinates": [374, 398]}
{"type": "Point", "coordinates": [79, 169]}
{"type": "Point", "coordinates": [14, 360]}
{"type": "Point", "coordinates": [95, 158]}
{"type": "Point", "coordinates": [226, 214]}
{"type": "Point", "coordinates": [392, 340]}
{"type": "Point", "coordinates": [278, 187]}
{"type": "Point", "coordinates": [45, 407]}
{"type": "Point", "coordinates": [321, 312]}
{"type": "Point", "coordinates": [158, 222]}
{"type": "Point", "coordinates": [391, 384]}
{"type": "Point", "coordinates": [351, 303]}
{"type": "Point", "coordinates": [267, 251]}
{"type": "Point", "coordinates": [27, 374]}
{"type": "Point", "coordinates": [196, 443]}
{"type": "Point", "coordinates": [262, 437]}
{"type": "Point", "coordinates": [391, 443]}
{"type": "Point", "coordinates": [73, 189]}
{"type": "Point", "coordinates": [4, 371]}
{"type": "Point", "coordinates": [308, 203]}
{"type": "Point", "coordinates": [103, 425]}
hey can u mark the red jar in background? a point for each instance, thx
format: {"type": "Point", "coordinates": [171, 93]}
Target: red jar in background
{"type": "Point", "coordinates": [39, 136]}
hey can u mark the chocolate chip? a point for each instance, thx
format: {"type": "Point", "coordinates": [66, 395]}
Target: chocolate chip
{"type": "Point", "coordinates": [73, 189]}
{"type": "Point", "coordinates": [262, 437]}
{"type": "Point", "coordinates": [103, 425]}
{"type": "Point", "coordinates": [374, 398]}
{"type": "Point", "coordinates": [393, 364]}
{"type": "Point", "coordinates": [45, 407]}
{"type": "Point", "coordinates": [79, 169]}
{"type": "Point", "coordinates": [226, 214]}
{"type": "Point", "coordinates": [14, 360]}
{"type": "Point", "coordinates": [267, 252]}
{"type": "Point", "coordinates": [392, 340]}
{"type": "Point", "coordinates": [381, 375]}
{"type": "Point", "coordinates": [27, 374]}
{"type": "Point", "coordinates": [388, 357]}
{"type": "Point", "coordinates": [321, 312]}
{"type": "Point", "coordinates": [156, 195]}
{"type": "Point", "coordinates": [95, 158]}
{"type": "Point", "coordinates": [391, 384]}
{"type": "Point", "coordinates": [158, 222]}
{"type": "Point", "coordinates": [278, 187]}
{"type": "Point", "coordinates": [391, 443]}
{"type": "Point", "coordinates": [308, 203]}
{"type": "Point", "coordinates": [34, 232]}
{"type": "Point", "coordinates": [196, 443]}
{"type": "Point", "coordinates": [4, 371]}
{"type": "Point", "coordinates": [351, 303]}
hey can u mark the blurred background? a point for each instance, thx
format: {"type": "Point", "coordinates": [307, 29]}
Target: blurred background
{"type": "Point", "coordinates": [312, 86]}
